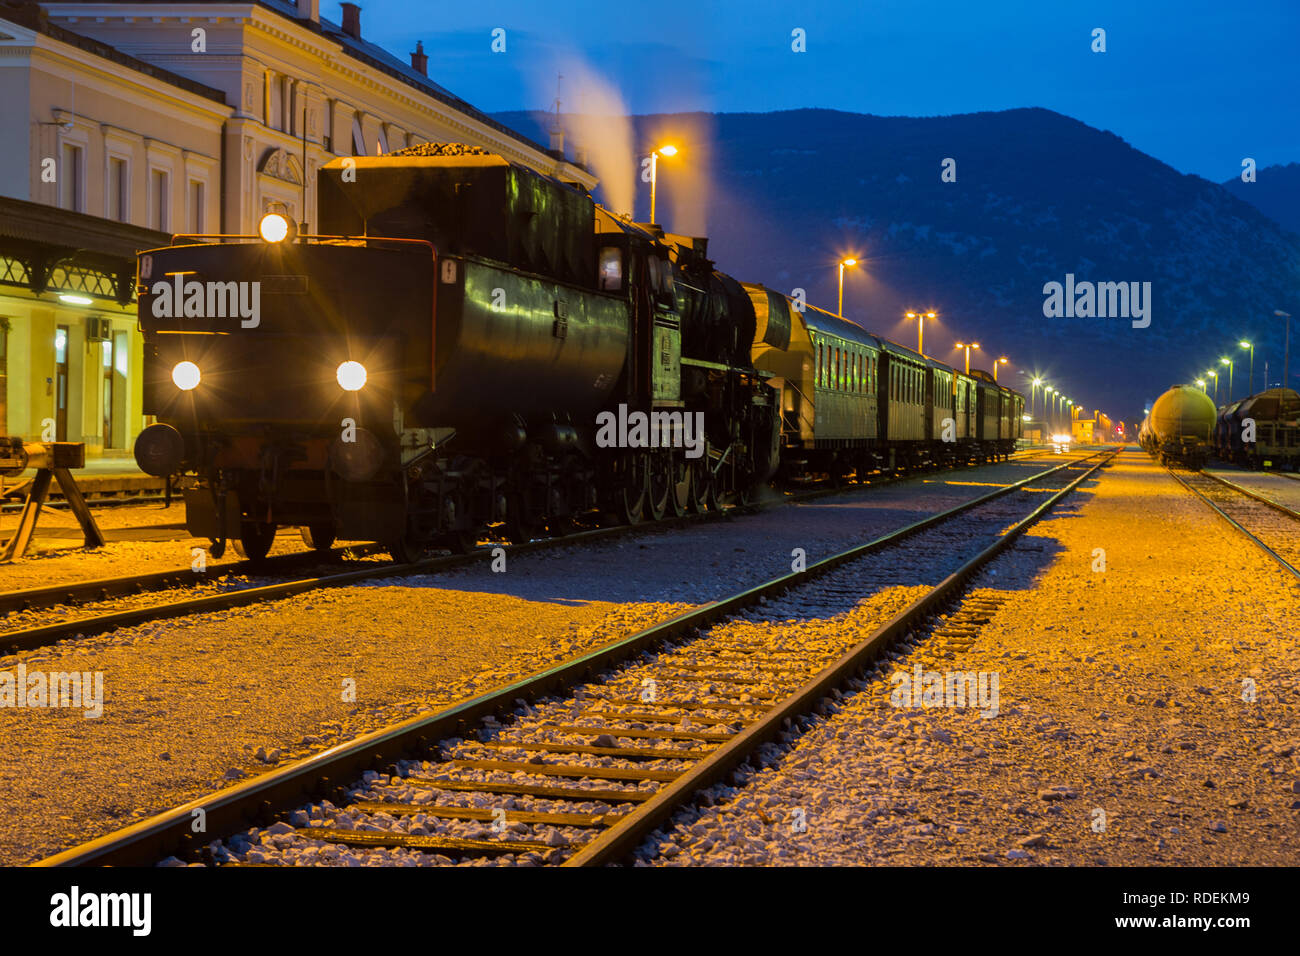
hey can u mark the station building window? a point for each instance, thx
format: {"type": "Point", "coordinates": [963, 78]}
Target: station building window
{"type": "Point", "coordinates": [73, 178]}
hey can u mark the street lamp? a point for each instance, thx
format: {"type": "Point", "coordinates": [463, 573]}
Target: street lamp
{"type": "Point", "coordinates": [843, 263]}
{"type": "Point", "coordinates": [1228, 362]}
{"type": "Point", "coordinates": [967, 347]}
{"type": "Point", "coordinates": [1033, 393]}
{"type": "Point", "coordinates": [654, 172]}
{"type": "Point", "coordinates": [1001, 361]}
{"type": "Point", "coordinates": [1214, 375]}
{"type": "Point", "coordinates": [1250, 345]}
{"type": "Point", "coordinates": [1201, 382]}
{"type": "Point", "coordinates": [1286, 358]}
{"type": "Point", "coordinates": [920, 328]}
{"type": "Point", "coordinates": [1047, 397]}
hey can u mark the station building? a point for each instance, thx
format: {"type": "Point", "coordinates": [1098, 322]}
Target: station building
{"type": "Point", "coordinates": [127, 122]}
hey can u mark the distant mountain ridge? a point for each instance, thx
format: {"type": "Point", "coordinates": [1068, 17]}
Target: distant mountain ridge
{"type": "Point", "coordinates": [1038, 196]}
{"type": "Point", "coordinates": [1275, 192]}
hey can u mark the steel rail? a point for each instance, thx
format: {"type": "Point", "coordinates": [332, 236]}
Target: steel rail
{"type": "Point", "coordinates": [1263, 499]}
{"type": "Point", "coordinates": [1286, 565]}
{"type": "Point", "coordinates": [99, 589]}
{"type": "Point", "coordinates": [623, 836]}
{"type": "Point", "coordinates": [323, 775]}
{"type": "Point", "coordinates": [42, 635]}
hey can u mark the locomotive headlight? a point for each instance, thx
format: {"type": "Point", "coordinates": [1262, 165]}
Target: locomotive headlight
{"type": "Point", "coordinates": [186, 376]}
{"type": "Point", "coordinates": [274, 227]}
{"type": "Point", "coordinates": [351, 376]}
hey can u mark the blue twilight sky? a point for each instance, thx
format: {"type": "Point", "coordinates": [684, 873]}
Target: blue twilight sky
{"type": "Point", "coordinates": [1196, 84]}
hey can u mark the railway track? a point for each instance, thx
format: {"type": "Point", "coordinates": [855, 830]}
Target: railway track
{"type": "Point", "coordinates": [577, 764]}
{"type": "Point", "coordinates": [1274, 527]}
{"type": "Point", "coordinates": [126, 590]}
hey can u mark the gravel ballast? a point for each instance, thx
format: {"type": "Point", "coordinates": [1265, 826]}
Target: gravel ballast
{"type": "Point", "coordinates": [1147, 714]}
{"type": "Point", "coordinates": [195, 704]}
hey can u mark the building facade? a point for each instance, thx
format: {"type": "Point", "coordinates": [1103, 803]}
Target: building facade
{"type": "Point", "coordinates": [165, 118]}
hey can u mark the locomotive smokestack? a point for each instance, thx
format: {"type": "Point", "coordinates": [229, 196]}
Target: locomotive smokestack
{"type": "Point", "coordinates": [419, 61]}
{"type": "Point", "coordinates": [351, 20]}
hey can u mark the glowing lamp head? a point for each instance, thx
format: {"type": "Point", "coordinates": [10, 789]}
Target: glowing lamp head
{"type": "Point", "coordinates": [930, 315]}
{"type": "Point", "coordinates": [274, 227]}
{"type": "Point", "coordinates": [186, 376]}
{"type": "Point", "coordinates": [669, 150]}
{"type": "Point", "coordinates": [351, 376]}
{"type": "Point", "coordinates": [848, 262]}
{"type": "Point", "coordinates": [1245, 345]}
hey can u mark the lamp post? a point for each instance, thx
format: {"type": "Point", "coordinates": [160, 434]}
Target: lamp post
{"type": "Point", "coordinates": [654, 173]}
{"type": "Point", "coordinates": [843, 263]}
{"type": "Point", "coordinates": [1228, 362]}
{"type": "Point", "coordinates": [1033, 393]}
{"type": "Point", "coordinates": [1250, 345]}
{"type": "Point", "coordinates": [1286, 356]}
{"type": "Point", "coordinates": [1214, 375]}
{"type": "Point", "coordinates": [1001, 361]}
{"type": "Point", "coordinates": [967, 346]}
{"type": "Point", "coordinates": [1047, 397]}
{"type": "Point", "coordinates": [920, 328]}
{"type": "Point", "coordinates": [1201, 382]}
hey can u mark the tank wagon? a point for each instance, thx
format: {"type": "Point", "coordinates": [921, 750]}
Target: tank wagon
{"type": "Point", "coordinates": [1180, 427]}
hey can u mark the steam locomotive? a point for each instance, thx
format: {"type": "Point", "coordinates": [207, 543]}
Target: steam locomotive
{"type": "Point", "coordinates": [469, 342]}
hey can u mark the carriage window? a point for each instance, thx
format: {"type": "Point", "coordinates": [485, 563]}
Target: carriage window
{"type": "Point", "coordinates": [611, 269]}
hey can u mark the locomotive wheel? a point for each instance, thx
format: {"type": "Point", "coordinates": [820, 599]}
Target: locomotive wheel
{"type": "Point", "coordinates": [699, 489]}
{"type": "Point", "coordinates": [521, 527]}
{"type": "Point", "coordinates": [661, 487]}
{"type": "Point", "coordinates": [318, 536]}
{"type": "Point", "coordinates": [406, 550]}
{"type": "Point", "coordinates": [681, 494]}
{"type": "Point", "coordinates": [709, 495]}
{"type": "Point", "coordinates": [630, 498]}
{"type": "Point", "coordinates": [458, 542]}
{"type": "Point", "coordinates": [255, 539]}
